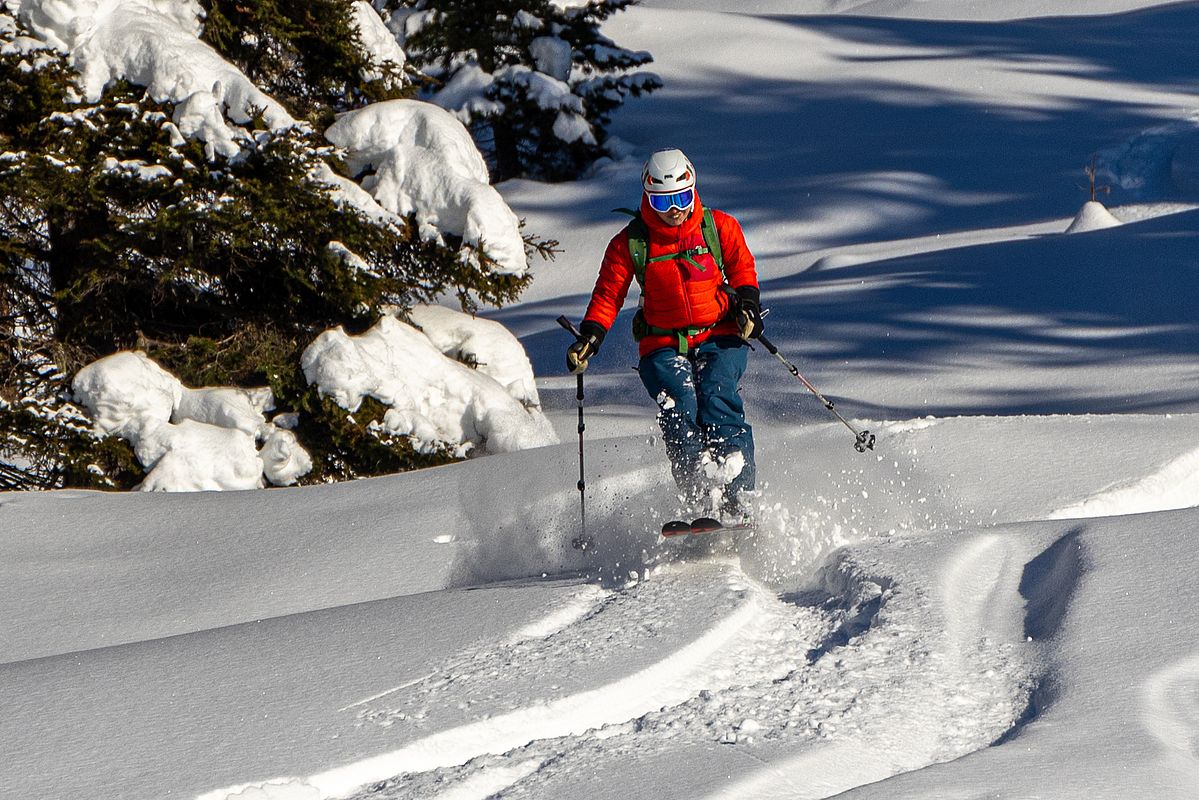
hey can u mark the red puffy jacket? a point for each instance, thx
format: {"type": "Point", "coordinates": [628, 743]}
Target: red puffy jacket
{"type": "Point", "coordinates": [677, 294]}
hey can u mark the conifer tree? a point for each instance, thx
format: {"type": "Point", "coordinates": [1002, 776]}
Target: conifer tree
{"type": "Point", "coordinates": [306, 54]}
{"type": "Point", "coordinates": [117, 233]}
{"type": "Point", "coordinates": [536, 81]}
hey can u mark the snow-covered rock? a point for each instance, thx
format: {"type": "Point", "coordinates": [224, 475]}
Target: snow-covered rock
{"type": "Point", "coordinates": [434, 400]}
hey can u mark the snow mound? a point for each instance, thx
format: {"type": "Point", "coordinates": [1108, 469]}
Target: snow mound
{"type": "Point", "coordinates": [125, 391]}
{"type": "Point", "coordinates": [1175, 485]}
{"type": "Point", "coordinates": [1093, 216]}
{"type": "Point", "coordinates": [489, 345]}
{"type": "Point", "coordinates": [436, 402]}
{"type": "Point", "coordinates": [423, 161]}
{"type": "Point", "coordinates": [188, 439]}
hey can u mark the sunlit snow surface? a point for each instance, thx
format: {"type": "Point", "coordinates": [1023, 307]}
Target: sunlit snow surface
{"type": "Point", "coordinates": [995, 602]}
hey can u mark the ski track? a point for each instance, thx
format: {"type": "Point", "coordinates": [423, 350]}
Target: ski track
{"type": "Point", "coordinates": [908, 691]}
{"type": "Point", "coordinates": [1170, 700]}
{"type": "Point", "coordinates": [680, 634]}
{"type": "Point", "coordinates": [913, 689]}
{"type": "Point", "coordinates": [584, 603]}
{"type": "Point", "coordinates": [697, 653]}
{"type": "Point", "coordinates": [706, 691]}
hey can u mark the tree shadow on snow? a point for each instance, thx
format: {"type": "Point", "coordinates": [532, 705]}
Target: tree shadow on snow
{"type": "Point", "coordinates": [1102, 301]}
{"type": "Point", "coordinates": [879, 158]}
{"type": "Point", "coordinates": [808, 165]}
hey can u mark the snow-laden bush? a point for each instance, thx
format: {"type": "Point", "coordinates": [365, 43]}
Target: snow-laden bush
{"type": "Point", "coordinates": [421, 161]}
{"type": "Point", "coordinates": [156, 195]}
{"type": "Point", "coordinates": [483, 344]}
{"type": "Point", "coordinates": [215, 438]}
{"type": "Point", "coordinates": [434, 401]}
{"type": "Point", "coordinates": [188, 439]}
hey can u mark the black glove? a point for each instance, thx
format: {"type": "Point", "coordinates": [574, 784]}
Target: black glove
{"type": "Point", "coordinates": [748, 312]}
{"type": "Point", "coordinates": [584, 348]}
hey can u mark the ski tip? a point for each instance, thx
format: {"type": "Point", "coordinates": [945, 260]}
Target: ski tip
{"type": "Point", "coordinates": [676, 527]}
{"type": "Point", "coordinates": [703, 525]}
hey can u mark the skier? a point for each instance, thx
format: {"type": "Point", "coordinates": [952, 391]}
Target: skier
{"type": "Point", "coordinates": [700, 306]}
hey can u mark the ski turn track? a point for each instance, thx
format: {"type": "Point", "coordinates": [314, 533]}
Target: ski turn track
{"type": "Point", "coordinates": [517, 689]}
{"type": "Point", "coordinates": [669, 682]}
{"type": "Point", "coordinates": [890, 675]}
{"type": "Point", "coordinates": [913, 689]}
{"type": "Point", "coordinates": [1171, 713]}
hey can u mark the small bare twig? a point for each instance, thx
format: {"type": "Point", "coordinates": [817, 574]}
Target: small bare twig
{"type": "Point", "coordinates": [1091, 170]}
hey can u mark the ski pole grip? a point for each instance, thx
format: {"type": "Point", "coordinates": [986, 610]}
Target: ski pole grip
{"type": "Point", "coordinates": [565, 323]}
{"type": "Point", "coordinates": [769, 345]}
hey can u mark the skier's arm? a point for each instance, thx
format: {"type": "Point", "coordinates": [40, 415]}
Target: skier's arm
{"type": "Point", "coordinates": [612, 285]}
{"type": "Point", "coordinates": [739, 266]}
{"type": "Point", "coordinates": [741, 273]}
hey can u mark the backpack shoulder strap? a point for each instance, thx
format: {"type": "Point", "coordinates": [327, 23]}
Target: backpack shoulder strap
{"type": "Point", "coordinates": [638, 235]}
{"type": "Point", "coordinates": [712, 238]}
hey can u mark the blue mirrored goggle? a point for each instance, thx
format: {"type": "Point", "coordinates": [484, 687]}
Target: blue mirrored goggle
{"type": "Point", "coordinates": [664, 202]}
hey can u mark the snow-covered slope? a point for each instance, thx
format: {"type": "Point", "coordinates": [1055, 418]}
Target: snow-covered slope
{"type": "Point", "coordinates": [995, 602]}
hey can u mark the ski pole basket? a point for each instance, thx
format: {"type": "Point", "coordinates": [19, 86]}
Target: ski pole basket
{"type": "Point", "coordinates": [863, 440]}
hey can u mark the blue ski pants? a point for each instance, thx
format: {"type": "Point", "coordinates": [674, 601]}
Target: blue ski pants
{"type": "Point", "coordinates": [700, 409]}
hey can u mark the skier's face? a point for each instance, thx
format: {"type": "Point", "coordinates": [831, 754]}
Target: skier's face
{"type": "Point", "coordinates": [674, 217]}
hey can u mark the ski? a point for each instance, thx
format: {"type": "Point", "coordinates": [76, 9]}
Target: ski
{"type": "Point", "coordinates": [702, 525]}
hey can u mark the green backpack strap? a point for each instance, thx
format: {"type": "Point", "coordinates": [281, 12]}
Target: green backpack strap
{"type": "Point", "coordinates": [638, 235]}
{"type": "Point", "coordinates": [712, 239]}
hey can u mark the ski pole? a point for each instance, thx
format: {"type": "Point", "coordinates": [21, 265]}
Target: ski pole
{"type": "Point", "coordinates": [863, 440]}
{"type": "Point", "coordinates": [583, 541]}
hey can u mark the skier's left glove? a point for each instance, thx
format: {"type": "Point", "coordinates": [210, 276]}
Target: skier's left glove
{"type": "Point", "coordinates": [579, 353]}
{"type": "Point", "coordinates": [748, 313]}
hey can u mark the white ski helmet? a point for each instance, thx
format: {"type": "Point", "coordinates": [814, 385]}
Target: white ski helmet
{"type": "Point", "coordinates": [667, 171]}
